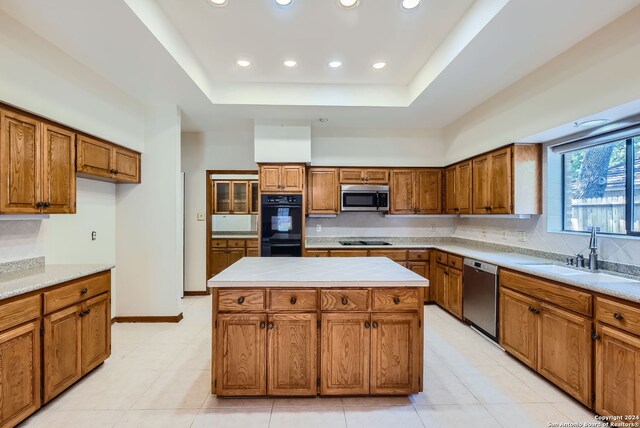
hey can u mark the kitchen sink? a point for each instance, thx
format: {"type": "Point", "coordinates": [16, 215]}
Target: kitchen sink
{"type": "Point", "coordinates": [600, 277]}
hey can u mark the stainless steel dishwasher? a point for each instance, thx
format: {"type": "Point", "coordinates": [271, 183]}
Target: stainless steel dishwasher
{"type": "Point", "coordinates": [480, 296]}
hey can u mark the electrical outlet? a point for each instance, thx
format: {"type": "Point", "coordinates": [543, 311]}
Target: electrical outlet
{"type": "Point", "coordinates": [484, 232]}
{"type": "Point", "coordinates": [522, 236]}
{"type": "Point", "coordinates": [433, 228]}
{"type": "Point", "coordinates": [318, 228]}
{"type": "Point", "coordinates": [200, 216]}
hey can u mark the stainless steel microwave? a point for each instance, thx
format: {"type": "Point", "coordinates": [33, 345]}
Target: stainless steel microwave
{"type": "Point", "coordinates": [364, 198]}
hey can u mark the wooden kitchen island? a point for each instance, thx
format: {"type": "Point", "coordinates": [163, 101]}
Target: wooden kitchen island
{"type": "Point", "coordinates": [309, 326]}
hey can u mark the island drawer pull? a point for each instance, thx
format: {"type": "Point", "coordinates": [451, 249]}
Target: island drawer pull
{"type": "Point", "coordinates": [396, 300]}
{"type": "Point", "coordinates": [293, 300]}
{"type": "Point", "coordinates": [240, 300]}
{"type": "Point", "coordinates": [270, 326]}
{"type": "Point", "coordinates": [618, 316]}
{"type": "Point", "coordinates": [345, 300]}
{"type": "Point", "coordinates": [367, 324]}
{"type": "Point", "coordinates": [84, 291]}
{"type": "Point", "coordinates": [374, 324]}
{"type": "Point", "coordinates": [262, 325]}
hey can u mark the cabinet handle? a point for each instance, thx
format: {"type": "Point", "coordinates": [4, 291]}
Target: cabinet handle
{"type": "Point", "coordinates": [81, 314]}
{"type": "Point", "coordinates": [240, 300]}
{"type": "Point", "coordinates": [84, 291]}
{"type": "Point", "coordinates": [262, 325]}
{"type": "Point", "coordinates": [270, 326]}
{"type": "Point", "coordinates": [374, 324]}
{"type": "Point", "coordinates": [419, 256]}
{"type": "Point", "coordinates": [88, 311]}
{"type": "Point", "coordinates": [595, 336]}
{"type": "Point", "coordinates": [46, 204]}
{"type": "Point", "coordinates": [39, 204]}
{"type": "Point", "coordinates": [293, 300]}
{"type": "Point", "coordinates": [116, 172]}
{"type": "Point", "coordinates": [534, 310]}
{"type": "Point", "coordinates": [367, 324]}
{"type": "Point", "coordinates": [618, 316]}
{"type": "Point", "coordinates": [396, 300]}
{"type": "Point", "coordinates": [112, 171]}
{"type": "Point", "coordinates": [345, 300]}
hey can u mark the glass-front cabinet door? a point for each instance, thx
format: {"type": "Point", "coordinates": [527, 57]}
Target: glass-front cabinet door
{"type": "Point", "coordinates": [240, 191]}
{"type": "Point", "coordinates": [222, 197]}
{"type": "Point", "coordinates": [254, 195]}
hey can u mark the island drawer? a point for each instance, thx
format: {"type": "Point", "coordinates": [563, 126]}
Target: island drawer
{"type": "Point", "coordinates": [418, 255]}
{"type": "Point", "coordinates": [395, 255]}
{"type": "Point", "coordinates": [455, 262]}
{"type": "Point", "coordinates": [19, 311]}
{"type": "Point", "coordinates": [76, 291]}
{"type": "Point", "coordinates": [240, 300]}
{"type": "Point", "coordinates": [293, 300]}
{"type": "Point", "coordinates": [442, 257]}
{"type": "Point", "coordinates": [236, 243]}
{"type": "Point", "coordinates": [620, 315]}
{"type": "Point", "coordinates": [395, 299]}
{"type": "Point", "coordinates": [344, 300]}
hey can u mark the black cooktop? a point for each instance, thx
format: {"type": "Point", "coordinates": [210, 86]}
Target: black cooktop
{"type": "Point", "coordinates": [348, 243]}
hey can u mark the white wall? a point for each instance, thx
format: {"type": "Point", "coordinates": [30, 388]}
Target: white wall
{"type": "Point", "coordinates": [21, 239]}
{"type": "Point", "coordinates": [282, 143]}
{"type": "Point", "coordinates": [67, 238]}
{"type": "Point", "coordinates": [230, 149]}
{"type": "Point", "coordinates": [148, 224]}
{"type": "Point", "coordinates": [376, 147]}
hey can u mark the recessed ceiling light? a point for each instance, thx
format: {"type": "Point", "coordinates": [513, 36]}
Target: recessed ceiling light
{"type": "Point", "coordinates": [335, 64]}
{"type": "Point", "coordinates": [284, 2]}
{"type": "Point", "coordinates": [591, 123]}
{"type": "Point", "coordinates": [219, 2]}
{"type": "Point", "coordinates": [243, 63]}
{"type": "Point", "coordinates": [349, 4]}
{"type": "Point", "coordinates": [410, 4]}
{"type": "Point", "coordinates": [290, 63]}
{"type": "Point", "coordinates": [379, 65]}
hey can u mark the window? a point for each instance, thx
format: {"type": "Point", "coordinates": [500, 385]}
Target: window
{"type": "Point", "coordinates": [600, 181]}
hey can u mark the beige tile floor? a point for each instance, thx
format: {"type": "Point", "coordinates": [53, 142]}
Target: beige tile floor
{"type": "Point", "coordinates": [158, 376]}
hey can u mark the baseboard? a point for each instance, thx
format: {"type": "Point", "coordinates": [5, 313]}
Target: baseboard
{"type": "Point", "coordinates": [197, 293]}
{"type": "Point", "coordinates": [175, 318]}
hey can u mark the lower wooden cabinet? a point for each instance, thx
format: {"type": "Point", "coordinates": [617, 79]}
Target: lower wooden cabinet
{"type": "Point", "coordinates": [617, 374]}
{"type": "Point", "coordinates": [292, 354]}
{"type": "Point", "coordinates": [222, 258]}
{"type": "Point", "coordinates": [439, 280]}
{"type": "Point", "coordinates": [19, 373]}
{"type": "Point", "coordinates": [447, 289]}
{"type": "Point", "coordinates": [346, 340]}
{"type": "Point", "coordinates": [96, 332]}
{"type": "Point", "coordinates": [519, 326]}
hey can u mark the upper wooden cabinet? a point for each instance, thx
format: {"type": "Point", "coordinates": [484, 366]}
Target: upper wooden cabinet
{"type": "Point", "coordinates": [458, 188]}
{"type": "Point", "coordinates": [416, 191]}
{"type": "Point", "coordinates": [36, 166]}
{"type": "Point", "coordinates": [107, 161]}
{"type": "Point", "coordinates": [323, 192]}
{"type": "Point", "coordinates": [281, 178]}
{"type": "Point", "coordinates": [508, 181]}
{"type": "Point", "coordinates": [234, 197]}
{"type": "Point", "coordinates": [364, 176]}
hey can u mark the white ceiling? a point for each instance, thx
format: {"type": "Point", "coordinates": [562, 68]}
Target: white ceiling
{"type": "Point", "coordinates": [444, 58]}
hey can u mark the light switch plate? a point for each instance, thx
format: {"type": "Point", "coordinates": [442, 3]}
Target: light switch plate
{"type": "Point", "coordinates": [200, 216]}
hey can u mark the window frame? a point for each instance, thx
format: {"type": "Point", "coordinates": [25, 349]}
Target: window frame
{"type": "Point", "coordinates": [629, 183]}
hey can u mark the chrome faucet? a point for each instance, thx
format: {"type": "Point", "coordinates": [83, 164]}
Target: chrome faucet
{"type": "Point", "coordinates": [593, 247]}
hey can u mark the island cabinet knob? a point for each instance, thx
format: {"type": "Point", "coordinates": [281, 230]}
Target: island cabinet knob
{"type": "Point", "coordinates": [270, 326]}
{"type": "Point", "coordinates": [345, 300]}
{"type": "Point", "coordinates": [262, 325]}
{"type": "Point", "coordinates": [374, 324]}
{"type": "Point", "coordinates": [367, 324]}
{"type": "Point", "coordinates": [84, 291]}
{"type": "Point", "coordinates": [293, 300]}
{"type": "Point", "coordinates": [618, 316]}
{"type": "Point", "coordinates": [396, 300]}
{"type": "Point", "coordinates": [240, 300]}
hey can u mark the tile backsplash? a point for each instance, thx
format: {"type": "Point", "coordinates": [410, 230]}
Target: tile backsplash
{"type": "Point", "coordinates": [20, 239]}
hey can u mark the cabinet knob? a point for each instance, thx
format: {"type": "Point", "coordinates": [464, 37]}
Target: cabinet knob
{"type": "Point", "coordinates": [367, 324]}
{"type": "Point", "coordinates": [39, 204]}
{"type": "Point", "coordinates": [84, 291]}
{"type": "Point", "coordinates": [293, 300]}
{"type": "Point", "coordinates": [618, 316]}
{"type": "Point", "coordinates": [345, 300]}
{"type": "Point", "coordinates": [240, 300]}
{"type": "Point", "coordinates": [534, 310]}
{"type": "Point", "coordinates": [419, 256]}
{"type": "Point", "coordinates": [81, 314]}
{"type": "Point", "coordinates": [112, 171]}
{"type": "Point", "coordinates": [116, 172]}
{"type": "Point", "coordinates": [595, 336]}
{"type": "Point", "coordinates": [46, 204]}
{"type": "Point", "coordinates": [88, 311]}
{"type": "Point", "coordinates": [396, 300]}
{"type": "Point", "coordinates": [270, 326]}
{"type": "Point", "coordinates": [374, 324]}
{"type": "Point", "coordinates": [262, 325]}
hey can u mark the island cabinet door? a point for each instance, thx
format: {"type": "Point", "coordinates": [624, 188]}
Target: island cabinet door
{"type": "Point", "coordinates": [394, 357]}
{"type": "Point", "coordinates": [292, 346]}
{"type": "Point", "coordinates": [241, 360]}
{"type": "Point", "coordinates": [346, 344]}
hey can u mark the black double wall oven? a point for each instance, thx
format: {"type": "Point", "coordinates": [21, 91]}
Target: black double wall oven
{"type": "Point", "coordinates": [281, 223]}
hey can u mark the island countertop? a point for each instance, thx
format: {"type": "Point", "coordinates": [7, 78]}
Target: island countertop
{"type": "Point", "coordinates": [316, 272]}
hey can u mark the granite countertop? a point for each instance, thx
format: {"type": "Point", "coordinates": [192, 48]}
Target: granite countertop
{"type": "Point", "coordinates": [234, 236]}
{"type": "Point", "coordinates": [610, 283]}
{"type": "Point", "coordinates": [35, 278]}
{"type": "Point", "coordinates": [317, 272]}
